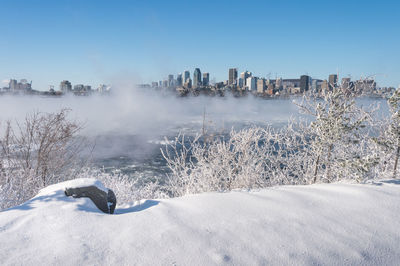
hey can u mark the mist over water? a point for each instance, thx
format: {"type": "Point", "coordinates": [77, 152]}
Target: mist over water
{"type": "Point", "coordinates": [129, 126]}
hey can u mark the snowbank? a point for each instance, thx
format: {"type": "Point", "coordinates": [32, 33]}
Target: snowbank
{"type": "Point", "coordinates": [345, 224]}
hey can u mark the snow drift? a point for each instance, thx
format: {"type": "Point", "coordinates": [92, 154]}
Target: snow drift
{"type": "Point", "coordinates": [346, 224]}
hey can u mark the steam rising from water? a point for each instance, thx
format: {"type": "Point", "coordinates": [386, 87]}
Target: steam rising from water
{"type": "Point", "coordinates": [148, 112]}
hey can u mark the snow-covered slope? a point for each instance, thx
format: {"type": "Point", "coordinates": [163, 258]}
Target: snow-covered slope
{"type": "Point", "coordinates": [341, 224]}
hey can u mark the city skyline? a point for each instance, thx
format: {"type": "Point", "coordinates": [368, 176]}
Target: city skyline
{"type": "Point", "coordinates": [97, 42]}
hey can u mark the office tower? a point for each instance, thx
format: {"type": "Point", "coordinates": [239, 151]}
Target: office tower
{"type": "Point", "coordinates": [165, 84]}
{"type": "Point", "coordinates": [304, 83]}
{"type": "Point", "coordinates": [186, 76]}
{"type": "Point", "coordinates": [244, 76]}
{"type": "Point", "coordinates": [332, 81]}
{"type": "Point", "coordinates": [170, 80]}
{"type": "Point", "coordinates": [196, 78]}
{"type": "Point", "coordinates": [260, 86]}
{"type": "Point", "coordinates": [188, 83]}
{"type": "Point", "coordinates": [233, 74]}
{"type": "Point", "coordinates": [240, 83]}
{"type": "Point", "coordinates": [179, 81]}
{"type": "Point", "coordinates": [206, 79]}
{"type": "Point", "coordinates": [65, 86]}
{"type": "Point", "coordinates": [13, 84]}
{"type": "Point", "coordinates": [251, 83]}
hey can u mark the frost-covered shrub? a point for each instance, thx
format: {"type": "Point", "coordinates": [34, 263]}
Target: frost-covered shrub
{"type": "Point", "coordinates": [127, 189]}
{"type": "Point", "coordinates": [335, 144]}
{"type": "Point", "coordinates": [42, 150]}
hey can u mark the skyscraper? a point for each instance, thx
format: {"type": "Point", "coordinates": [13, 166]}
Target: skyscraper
{"type": "Point", "coordinates": [206, 79]}
{"type": "Point", "coordinates": [170, 80]}
{"type": "Point", "coordinates": [244, 76]}
{"type": "Point", "coordinates": [179, 81]}
{"type": "Point", "coordinates": [260, 86]}
{"type": "Point", "coordinates": [304, 83]}
{"type": "Point", "coordinates": [13, 84]}
{"type": "Point", "coordinates": [65, 86]}
{"type": "Point", "coordinates": [233, 74]}
{"type": "Point", "coordinates": [186, 76]}
{"type": "Point", "coordinates": [332, 81]}
{"type": "Point", "coordinates": [196, 78]}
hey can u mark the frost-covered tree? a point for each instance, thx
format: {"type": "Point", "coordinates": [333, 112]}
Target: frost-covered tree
{"type": "Point", "coordinates": [389, 140]}
{"type": "Point", "coordinates": [336, 132]}
{"type": "Point", "coordinates": [42, 150]}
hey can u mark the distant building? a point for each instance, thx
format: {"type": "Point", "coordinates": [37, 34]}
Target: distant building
{"type": "Point", "coordinates": [165, 84]}
{"type": "Point", "coordinates": [290, 83]}
{"type": "Point", "coordinates": [261, 86]}
{"type": "Point", "coordinates": [65, 86]}
{"type": "Point", "coordinates": [186, 76]}
{"type": "Point", "coordinates": [196, 78]}
{"type": "Point", "coordinates": [365, 86]}
{"type": "Point", "coordinates": [179, 81]}
{"type": "Point", "coordinates": [251, 83]}
{"type": "Point", "coordinates": [79, 87]}
{"type": "Point", "coordinates": [304, 83]}
{"type": "Point", "coordinates": [316, 85]}
{"type": "Point", "coordinates": [13, 85]}
{"type": "Point", "coordinates": [102, 88]}
{"type": "Point", "coordinates": [324, 86]}
{"type": "Point", "coordinates": [206, 79]}
{"type": "Point", "coordinates": [278, 84]}
{"type": "Point", "coordinates": [271, 88]}
{"type": "Point", "coordinates": [188, 84]}
{"type": "Point", "coordinates": [154, 84]}
{"type": "Point", "coordinates": [240, 83]}
{"type": "Point", "coordinates": [333, 81]}
{"type": "Point", "coordinates": [170, 80]}
{"type": "Point", "coordinates": [244, 76]}
{"type": "Point", "coordinates": [233, 75]}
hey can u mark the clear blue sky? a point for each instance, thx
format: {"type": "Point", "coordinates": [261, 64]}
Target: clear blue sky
{"type": "Point", "coordinates": [94, 42]}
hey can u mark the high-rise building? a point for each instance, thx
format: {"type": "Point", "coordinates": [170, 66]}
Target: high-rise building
{"type": "Point", "coordinates": [233, 75]}
{"type": "Point", "coordinates": [240, 83]}
{"type": "Point", "coordinates": [304, 83]}
{"type": "Point", "coordinates": [179, 81]}
{"type": "Point", "coordinates": [251, 83]}
{"type": "Point", "coordinates": [186, 76]}
{"type": "Point", "coordinates": [165, 84]}
{"type": "Point", "coordinates": [13, 84]}
{"type": "Point", "coordinates": [260, 86]}
{"type": "Point", "coordinates": [332, 81]}
{"type": "Point", "coordinates": [324, 86]}
{"type": "Point", "coordinates": [196, 78]}
{"type": "Point", "coordinates": [244, 76]}
{"type": "Point", "coordinates": [188, 83]}
{"type": "Point", "coordinates": [65, 86]}
{"type": "Point", "coordinates": [170, 80]}
{"type": "Point", "coordinates": [206, 79]}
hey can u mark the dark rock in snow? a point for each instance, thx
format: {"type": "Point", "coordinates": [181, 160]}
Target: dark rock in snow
{"type": "Point", "coordinates": [106, 202]}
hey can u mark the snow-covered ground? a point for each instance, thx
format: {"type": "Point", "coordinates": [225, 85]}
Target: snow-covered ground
{"type": "Point", "coordinates": [330, 224]}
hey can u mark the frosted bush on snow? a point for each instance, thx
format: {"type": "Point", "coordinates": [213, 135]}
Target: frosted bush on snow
{"type": "Point", "coordinates": [337, 144]}
{"type": "Point", "coordinates": [42, 150]}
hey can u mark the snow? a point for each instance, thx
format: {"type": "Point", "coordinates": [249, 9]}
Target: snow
{"type": "Point", "coordinates": [330, 224]}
